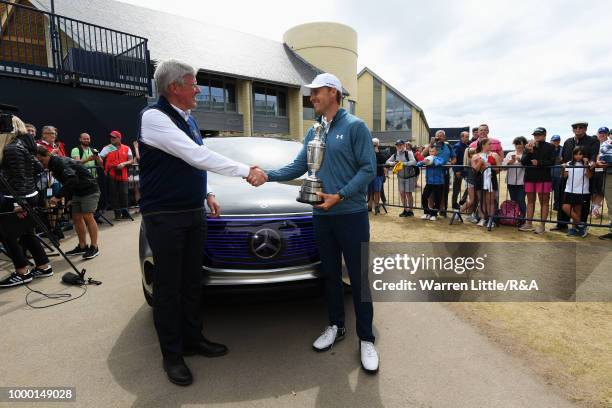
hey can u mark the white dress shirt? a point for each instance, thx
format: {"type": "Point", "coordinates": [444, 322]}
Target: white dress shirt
{"type": "Point", "coordinates": [158, 130]}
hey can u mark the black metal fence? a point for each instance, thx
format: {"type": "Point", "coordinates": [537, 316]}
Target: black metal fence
{"type": "Point", "coordinates": [465, 195]}
{"type": "Point", "coordinates": [39, 44]}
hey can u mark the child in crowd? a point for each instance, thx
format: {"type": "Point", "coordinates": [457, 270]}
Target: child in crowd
{"type": "Point", "coordinates": [485, 179]}
{"type": "Point", "coordinates": [435, 183]}
{"type": "Point", "coordinates": [578, 173]}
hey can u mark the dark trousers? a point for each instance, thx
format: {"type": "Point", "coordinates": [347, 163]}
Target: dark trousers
{"type": "Point", "coordinates": [19, 234]}
{"type": "Point", "coordinates": [436, 190]}
{"type": "Point", "coordinates": [456, 188]}
{"type": "Point", "coordinates": [517, 193]}
{"type": "Point", "coordinates": [118, 192]}
{"type": "Point", "coordinates": [557, 192]}
{"type": "Point", "coordinates": [177, 243]}
{"type": "Point", "coordinates": [444, 200]}
{"type": "Point", "coordinates": [338, 236]}
{"type": "Point", "coordinates": [586, 206]}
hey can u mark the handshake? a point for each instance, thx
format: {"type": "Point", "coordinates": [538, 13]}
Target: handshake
{"type": "Point", "coordinates": [256, 176]}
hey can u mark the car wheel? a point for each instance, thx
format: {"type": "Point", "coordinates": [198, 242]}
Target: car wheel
{"type": "Point", "coordinates": [147, 296]}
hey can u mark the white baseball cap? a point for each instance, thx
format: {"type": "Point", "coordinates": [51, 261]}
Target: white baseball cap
{"type": "Point", "coordinates": [326, 79]}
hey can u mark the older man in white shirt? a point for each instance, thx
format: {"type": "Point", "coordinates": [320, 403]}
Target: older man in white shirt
{"type": "Point", "coordinates": [173, 166]}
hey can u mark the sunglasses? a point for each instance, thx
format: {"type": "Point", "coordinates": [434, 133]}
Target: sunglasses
{"type": "Point", "coordinates": [578, 127]}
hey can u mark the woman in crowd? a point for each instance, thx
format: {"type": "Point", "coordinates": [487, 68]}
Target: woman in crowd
{"type": "Point", "coordinates": [537, 158]}
{"type": "Point", "coordinates": [19, 168]}
{"type": "Point", "coordinates": [486, 184]}
{"type": "Point", "coordinates": [515, 176]}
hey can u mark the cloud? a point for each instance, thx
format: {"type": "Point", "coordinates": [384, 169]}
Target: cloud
{"type": "Point", "coordinates": [513, 64]}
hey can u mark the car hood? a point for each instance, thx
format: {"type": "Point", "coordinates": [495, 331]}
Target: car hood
{"type": "Point", "coordinates": [237, 197]}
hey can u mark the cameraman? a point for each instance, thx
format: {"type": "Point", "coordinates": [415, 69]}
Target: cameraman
{"type": "Point", "coordinates": [82, 188]}
{"type": "Point", "coordinates": [19, 169]}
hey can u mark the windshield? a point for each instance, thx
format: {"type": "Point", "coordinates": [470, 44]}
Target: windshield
{"type": "Point", "coordinates": [266, 153]}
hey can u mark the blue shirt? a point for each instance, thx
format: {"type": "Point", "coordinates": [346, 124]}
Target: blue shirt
{"type": "Point", "coordinates": [348, 166]}
{"type": "Point", "coordinates": [435, 171]}
{"type": "Point", "coordinates": [459, 151]}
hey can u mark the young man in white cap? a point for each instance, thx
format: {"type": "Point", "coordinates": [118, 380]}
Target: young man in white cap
{"type": "Point", "coordinates": [341, 222]}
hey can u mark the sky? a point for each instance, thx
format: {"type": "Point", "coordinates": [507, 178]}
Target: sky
{"type": "Point", "coordinates": [514, 65]}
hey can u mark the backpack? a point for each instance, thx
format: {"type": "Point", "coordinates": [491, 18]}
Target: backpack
{"type": "Point", "coordinates": [509, 213]}
{"type": "Point", "coordinates": [412, 171]}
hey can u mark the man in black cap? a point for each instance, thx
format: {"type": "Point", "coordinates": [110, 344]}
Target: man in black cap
{"type": "Point", "coordinates": [591, 146]}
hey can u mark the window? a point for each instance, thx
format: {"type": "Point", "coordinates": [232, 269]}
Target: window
{"type": "Point", "coordinates": [269, 101]}
{"type": "Point", "coordinates": [398, 113]}
{"type": "Point", "coordinates": [282, 103]}
{"type": "Point", "coordinates": [230, 97]}
{"type": "Point", "coordinates": [377, 108]}
{"type": "Point", "coordinates": [309, 112]}
{"type": "Point", "coordinates": [216, 94]}
{"type": "Point", "coordinates": [203, 98]}
{"type": "Point", "coordinates": [260, 100]}
{"type": "Point", "coordinates": [352, 106]}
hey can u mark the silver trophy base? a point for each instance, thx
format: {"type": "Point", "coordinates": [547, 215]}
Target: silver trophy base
{"type": "Point", "coordinates": [308, 192]}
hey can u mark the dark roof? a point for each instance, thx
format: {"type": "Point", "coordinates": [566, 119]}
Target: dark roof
{"type": "Point", "coordinates": [401, 95]}
{"type": "Point", "coordinates": [205, 46]}
{"type": "Point", "coordinates": [452, 134]}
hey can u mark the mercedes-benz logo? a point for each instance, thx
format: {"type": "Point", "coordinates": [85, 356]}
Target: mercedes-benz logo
{"type": "Point", "coordinates": [266, 243]}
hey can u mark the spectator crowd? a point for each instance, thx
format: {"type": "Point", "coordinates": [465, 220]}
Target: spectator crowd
{"type": "Point", "coordinates": [574, 178]}
{"type": "Point", "coordinates": [67, 188]}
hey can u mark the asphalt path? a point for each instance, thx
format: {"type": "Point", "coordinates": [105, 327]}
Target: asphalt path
{"type": "Point", "coordinates": [104, 344]}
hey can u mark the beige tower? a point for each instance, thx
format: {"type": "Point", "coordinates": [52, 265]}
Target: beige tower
{"type": "Point", "coordinates": [331, 47]}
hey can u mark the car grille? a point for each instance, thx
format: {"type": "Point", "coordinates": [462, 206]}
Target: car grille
{"type": "Point", "coordinates": [262, 242]}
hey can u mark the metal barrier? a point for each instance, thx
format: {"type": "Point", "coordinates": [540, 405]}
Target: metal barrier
{"type": "Point", "coordinates": [468, 198]}
{"type": "Point", "coordinates": [43, 45]}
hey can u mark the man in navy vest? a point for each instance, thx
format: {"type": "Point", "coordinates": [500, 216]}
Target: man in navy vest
{"type": "Point", "coordinates": [173, 165]}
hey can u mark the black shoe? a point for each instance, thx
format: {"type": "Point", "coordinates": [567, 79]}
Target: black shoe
{"type": "Point", "coordinates": [404, 213]}
{"type": "Point", "coordinates": [369, 209]}
{"type": "Point", "coordinates": [42, 273]}
{"type": "Point", "coordinates": [77, 250]}
{"type": "Point", "coordinates": [377, 210]}
{"type": "Point", "coordinates": [91, 253]}
{"type": "Point", "coordinates": [606, 237]}
{"type": "Point", "coordinates": [16, 279]}
{"type": "Point", "coordinates": [178, 372]}
{"type": "Point", "coordinates": [205, 348]}
{"type": "Point", "coordinates": [410, 213]}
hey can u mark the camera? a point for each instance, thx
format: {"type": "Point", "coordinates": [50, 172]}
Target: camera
{"type": "Point", "coordinates": [95, 152]}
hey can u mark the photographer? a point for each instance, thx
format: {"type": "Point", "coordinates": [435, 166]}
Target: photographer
{"type": "Point", "coordinates": [19, 168]}
{"type": "Point", "coordinates": [79, 185]}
